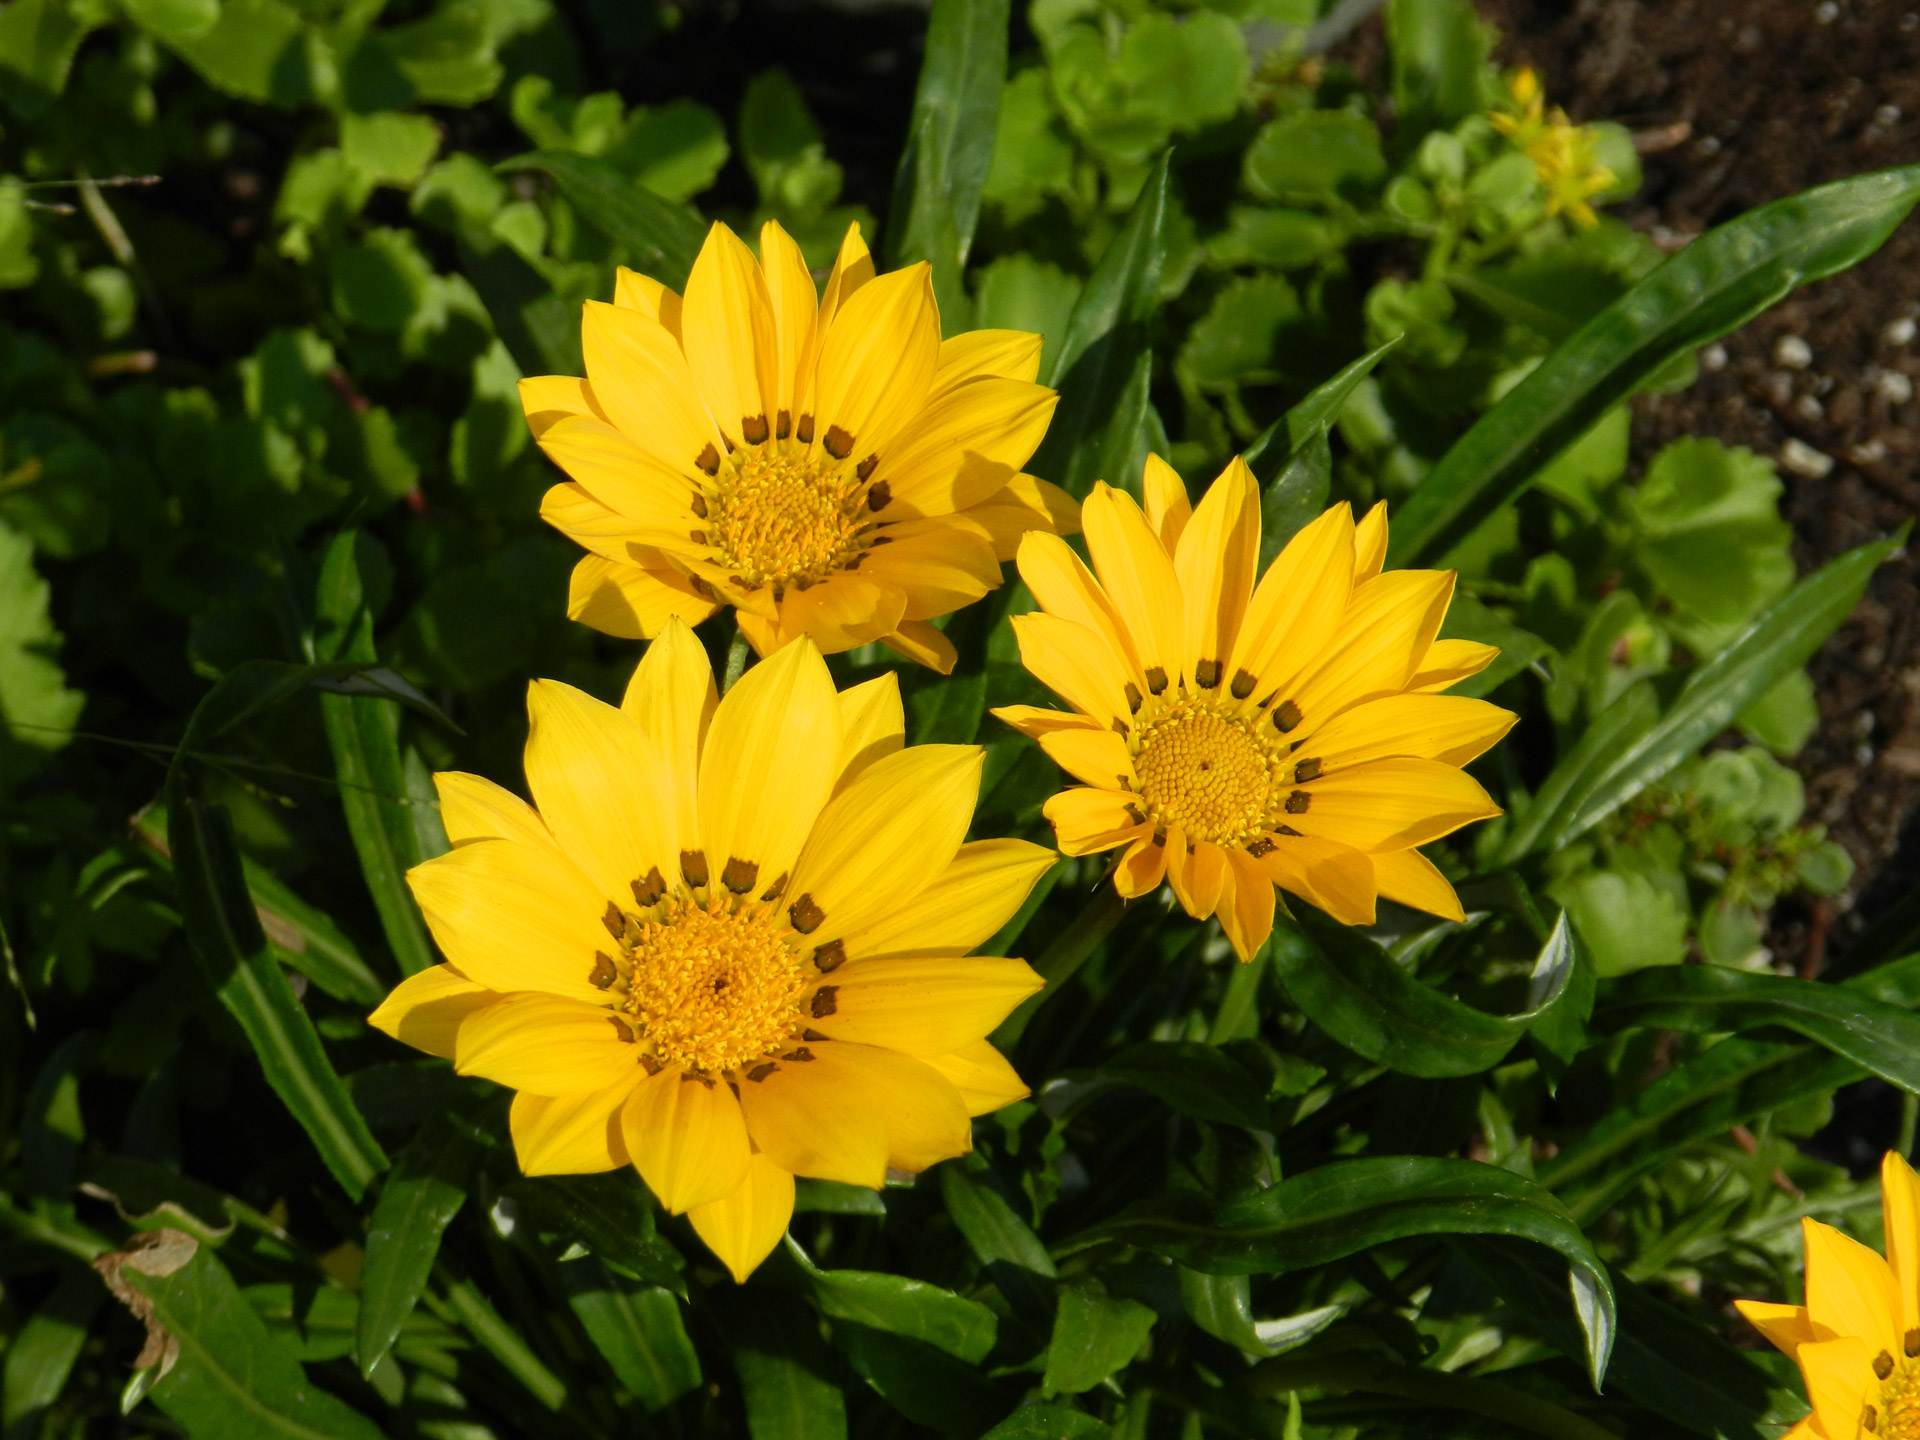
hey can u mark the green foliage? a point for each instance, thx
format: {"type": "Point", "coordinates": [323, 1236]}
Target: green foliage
{"type": "Point", "coordinates": [268, 522]}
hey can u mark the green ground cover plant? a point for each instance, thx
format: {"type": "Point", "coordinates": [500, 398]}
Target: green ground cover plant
{"type": "Point", "coordinates": [270, 555]}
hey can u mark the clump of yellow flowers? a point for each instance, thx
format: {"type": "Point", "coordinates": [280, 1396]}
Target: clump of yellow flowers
{"type": "Point", "coordinates": [1565, 156]}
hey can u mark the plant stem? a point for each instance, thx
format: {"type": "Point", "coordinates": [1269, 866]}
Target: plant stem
{"type": "Point", "coordinates": [1909, 1117]}
{"type": "Point", "coordinates": [1067, 953]}
{"type": "Point", "coordinates": [736, 659]}
{"type": "Point", "coordinates": [1238, 1015]}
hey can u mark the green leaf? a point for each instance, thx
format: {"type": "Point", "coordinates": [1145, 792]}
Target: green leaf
{"type": "Point", "coordinates": [1192, 1078]}
{"type": "Point", "coordinates": [1107, 346]}
{"type": "Point", "coordinates": [638, 1330]}
{"type": "Point", "coordinates": [1222, 1305]}
{"type": "Point", "coordinates": [926, 1385]}
{"type": "Point", "coordinates": [38, 40]}
{"type": "Point", "coordinates": [1243, 334]}
{"type": "Point", "coordinates": [962, 1328]}
{"type": "Point", "coordinates": [425, 1190]}
{"type": "Point", "coordinates": [227, 940]}
{"type": "Point", "coordinates": [1015, 1260]}
{"type": "Point", "coordinates": [257, 50]}
{"type": "Point", "coordinates": [1439, 50]}
{"type": "Point", "coordinates": [1709, 999]}
{"type": "Point", "coordinates": [787, 1378]}
{"type": "Point", "coordinates": [235, 1379]}
{"type": "Point", "coordinates": [389, 148]}
{"type": "Point", "coordinates": [38, 708]}
{"type": "Point", "coordinates": [1315, 155]}
{"type": "Point", "coordinates": [1358, 994]}
{"type": "Point", "coordinates": [1777, 643]}
{"type": "Point", "coordinates": [611, 1214]}
{"type": "Point", "coordinates": [1094, 1334]}
{"type": "Point", "coordinates": [364, 736]}
{"type": "Point", "coordinates": [1020, 292]}
{"type": "Point", "coordinates": [1629, 919]}
{"type": "Point", "coordinates": [1046, 1422]}
{"type": "Point", "coordinates": [1314, 414]}
{"type": "Point", "coordinates": [659, 237]}
{"type": "Point", "coordinates": [1716, 284]}
{"type": "Point", "coordinates": [1347, 1206]}
{"type": "Point", "coordinates": [943, 170]}
{"type": "Point", "coordinates": [1632, 714]}
{"type": "Point", "coordinates": [42, 1352]}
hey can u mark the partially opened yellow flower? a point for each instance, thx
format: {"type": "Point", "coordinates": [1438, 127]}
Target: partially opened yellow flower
{"type": "Point", "coordinates": [1565, 156]}
{"type": "Point", "coordinates": [1233, 736]}
{"type": "Point", "coordinates": [1857, 1339]}
{"type": "Point", "coordinates": [827, 465]}
{"type": "Point", "coordinates": [730, 945]}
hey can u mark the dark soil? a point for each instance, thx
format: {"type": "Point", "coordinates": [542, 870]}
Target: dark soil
{"type": "Point", "coordinates": [1734, 105]}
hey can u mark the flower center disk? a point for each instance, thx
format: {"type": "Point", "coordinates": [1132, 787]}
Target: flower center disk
{"type": "Point", "coordinates": [1897, 1415]}
{"type": "Point", "coordinates": [713, 988]}
{"type": "Point", "coordinates": [784, 517]}
{"type": "Point", "coordinates": [1206, 773]}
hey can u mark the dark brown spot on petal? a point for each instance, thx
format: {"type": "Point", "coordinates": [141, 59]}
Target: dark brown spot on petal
{"type": "Point", "coordinates": [648, 891]}
{"type": "Point", "coordinates": [615, 922]}
{"type": "Point", "coordinates": [650, 1065]}
{"type": "Point", "coordinates": [776, 889]}
{"type": "Point", "coordinates": [779, 592]}
{"type": "Point", "coordinates": [753, 429]}
{"type": "Point", "coordinates": [739, 875]}
{"type": "Point", "coordinates": [693, 867]}
{"type": "Point", "coordinates": [1259, 847]}
{"type": "Point", "coordinates": [727, 440]}
{"type": "Point", "coordinates": [838, 442]}
{"type": "Point", "coordinates": [1286, 717]}
{"type": "Point", "coordinates": [1120, 728]}
{"type": "Point", "coordinates": [805, 915]}
{"type": "Point", "coordinates": [745, 587]}
{"type": "Point", "coordinates": [1160, 836]}
{"type": "Point", "coordinates": [805, 433]}
{"type": "Point", "coordinates": [698, 537]}
{"type": "Point", "coordinates": [879, 497]}
{"type": "Point", "coordinates": [1298, 802]}
{"type": "Point", "coordinates": [1134, 698]}
{"type": "Point", "coordinates": [880, 540]}
{"type": "Point", "coordinates": [802, 1054]}
{"type": "Point", "coordinates": [697, 1078]}
{"type": "Point", "coordinates": [1286, 830]}
{"type": "Point", "coordinates": [1135, 814]}
{"type": "Point", "coordinates": [604, 972]}
{"type": "Point", "coordinates": [698, 504]}
{"type": "Point", "coordinates": [1305, 770]}
{"type": "Point", "coordinates": [1911, 1344]}
{"type": "Point", "coordinates": [824, 1003]}
{"type": "Point", "coordinates": [1207, 674]}
{"type": "Point", "coordinates": [1870, 1419]}
{"type": "Point", "coordinates": [1883, 1364]}
{"type": "Point", "coordinates": [1156, 679]}
{"type": "Point", "coordinates": [783, 424]}
{"type": "Point", "coordinates": [864, 470]}
{"type": "Point", "coordinates": [622, 1029]}
{"type": "Point", "coordinates": [708, 460]}
{"type": "Point", "coordinates": [1242, 686]}
{"type": "Point", "coordinates": [760, 1072]}
{"type": "Point", "coordinates": [830, 956]}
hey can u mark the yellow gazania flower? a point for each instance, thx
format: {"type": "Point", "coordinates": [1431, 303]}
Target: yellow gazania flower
{"type": "Point", "coordinates": [1234, 736]}
{"type": "Point", "coordinates": [1857, 1339]}
{"type": "Point", "coordinates": [1564, 154]}
{"type": "Point", "coordinates": [829, 467]}
{"type": "Point", "coordinates": [729, 947]}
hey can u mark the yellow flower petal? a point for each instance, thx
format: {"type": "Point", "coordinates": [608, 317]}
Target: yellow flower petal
{"type": "Point", "coordinates": [768, 765]}
{"type": "Point", "coordinates": [1086, 820]}
{"type": "Point", "coordinates": [641, 382]}
{"type": "Point", "coordinates": [632, 601]}
{"type": "Point", "coordinates": [513, 916]}
{"type": "Point", "coordinates": [1166, 507]}
{"type": "Point", "coordinates": [1006, 354]}
{"type": "Point", "coordinates": [547, 1045]}
{"type": "Point", "coordinates": [873, 725]}
{"type": "Point", "coordinates": [1025, 505]}
{"type": "Point", "coordinates": [672, 697]}
{"type": "Point", "coordinates": [852, 269]}
{"type": "Point", "coordinates": [1141, 869]}
{"type": "Point", "coordinates": [983, 886]}
{"type": "Point", "coordinates": [925, 1005]}
{"type": "Point", "coordinates": [876, 363]}
{"type": "Point", "coordinates": [1248, 919]}
{"type": "Point", "coordinates": [964, 447]}
{"type": "Point", "coordinates": [1391, 804]}
{"type": "Point", "coordinates": [1066, 590]}
{"type": "Point", "coordinates": [982, 1076]}
{"type": "Point", "coordinates": [549, 399]}
{"type": "Point", "coordinates": [1840, 1382]}
{"type": "Point", "coordinates": [887, 835]}
{"type": "Point", "coordinates": [923, 643]}
{"type": "Point", "coordinates": [1849, 1289]}
{"type": "Point", "coordinates": [1217, 556]}
{"type": "Point", "coordinates": [940, 565]}
{"type": "Point", "coordinates": [843, 611]}
{"type": "Point", "coordinates": [1410, 878]}
{"type": "Point", "coordinates": [727, 332]}
{"type": "Point", "coordinates": [1389, 624]}
{"type": "Point", "coordinates": [1197, 872]}
{"type": "Point", "coordinates": [795, 305]}
{"type": "Point", "coordinates": [472, 808]}
{"type": "Point", "coordinates": [687, 1139]}
{"type": "Point", "coordinates": [743, 1228]}
{"type": "Point", "coordinates": [425, 1010]}
{"type": "Point", "coordinates": [573, 511]}
{"type": "Point", "coordinates": [1295, 608]}
{"type": "Point", "coordinates": [570, 1134]}
{"type": "Point", "coordinates": [1137, 574]}
{"type": "Point", "coordinates": [600, 784]}
{"type": "Point", "coordinates": [1033, 721]}
{"type": "Point", "coordinates": [913, 1111]}
{"type": "Point", "coordinates": [634, 291]}
{"type": "Point", "coordinates": [1786, 1327]}
{"type": "Point", "coordinates": [1093, 757]}
{"type": "Point", "coordinates": [623, 476]}
{"type": "Point", "coordinates": [1448, 662]}
{"type": "Point", "coordinates": [1076, 664]}
{"type": "Point", "coordinates": [1370, 543]}
{"type": "Point", "coordinates": [1900, 1207]}
{"type": "Point", "coordinates": [813, 1118]}
{"type": "Point", "coordinates": [1336, 877]}
{"type": "Point", "coordinates": [1428, 727]}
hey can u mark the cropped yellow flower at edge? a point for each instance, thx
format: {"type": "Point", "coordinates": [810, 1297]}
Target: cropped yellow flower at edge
{"type": "Point", "coordinates": [730, 945]}
{"type": "Point", "coordinates": [1233, 737]}
{"type": "Point", "coordinates": [826, 465]}
{"type": "Point", "coordinates": [1857, 1339]}
{"type": "Point", "coordinates": [1563, 154]}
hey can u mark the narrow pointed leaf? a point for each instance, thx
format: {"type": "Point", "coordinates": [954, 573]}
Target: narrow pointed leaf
{"type": "Point", "coordinates": [638, 1331]}
{"type": "Point", "coordinates": [660, 238]}
{"type": "Point", "coordinates": [428, 1185]}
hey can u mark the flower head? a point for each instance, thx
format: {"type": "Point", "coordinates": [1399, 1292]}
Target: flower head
{"type": "Point", "coordinates": [1233, 736]}
{"type": "Point", "coordinates": [825, 464]}
{"type": "Point", "coordinates": [730, 945]}
{"type": "Point", "coordinates": [1857, 1339]}
{"type": "Point", "coordinates": [1565, 156]}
